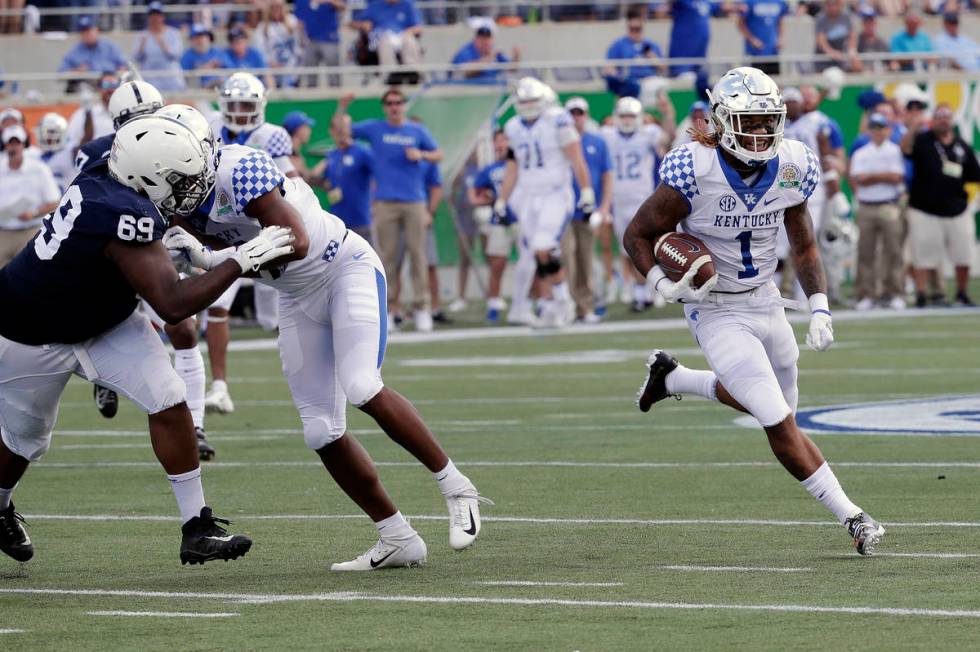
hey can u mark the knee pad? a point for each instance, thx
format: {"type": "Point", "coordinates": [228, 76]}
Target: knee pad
{"type": "Point", "coordinates": [765, 402]}
{"type": "Point", "coordinates": [546, 269]}
{"type": "Point", "coordinates": [787, 382]}
{"type": "Point", "coordinates": [362, 388]}
{"type": "Point", "coordinates": [319, 432]}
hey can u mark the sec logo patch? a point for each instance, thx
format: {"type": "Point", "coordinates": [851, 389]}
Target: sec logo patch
{"type": "Point", "coordinates": [727, 203]}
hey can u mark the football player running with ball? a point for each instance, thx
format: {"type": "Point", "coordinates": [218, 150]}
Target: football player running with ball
{"type": "Point", "coordinates": [732, 189]}
{"type": "Point", "coordinates": [332, 335]}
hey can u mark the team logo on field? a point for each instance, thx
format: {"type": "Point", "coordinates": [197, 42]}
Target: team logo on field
{"type": "Point", "coordinates": [955, 415]}
{"type": "Point", "coordinates": [727, 203]}
{"type": "Point", "coordinates": [789, 176]}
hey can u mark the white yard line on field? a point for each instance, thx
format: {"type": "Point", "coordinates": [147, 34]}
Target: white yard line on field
{"type": "Point", "coordinates": [510, 519]}
{"type": "Point", "coordinates": [530, 583]}
{"type": "Point", "coordinates": [164, 614]}
{"type": "Point", "coordinates": [13, 631]}
{"type": "Point", "coordinates": [735, 569]}
{"type": "Point", "coordinates": [928, 555]}
{"type": "Point", "coordinates": [251, 598]}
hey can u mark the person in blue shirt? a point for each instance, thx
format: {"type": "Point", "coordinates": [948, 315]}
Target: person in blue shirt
{"type": "Point", "coordinates": [395, 27]}
{"type": "Point", "coordinates": [347, 174]}
{"type": "Point", "coordinates": [202, 55]}
{"type": "Point", "coordinates": [911, 39]}
{"type": "Point", "coordinates": [690, 31]}
{"type": "Point", "coordinates": [578, 242]}
{"type": "Point", "coordinates": [399, 148]}
{"type": "Point", "coordinates": [482, 50]}
{"type": "Point", "coordinates": [625, 80]}
{"type": "Point", "coordinates": [963, 51]}
{"type": "Point", "coordinates": [322, 46]}
{"type": "Point", "coordinates": [241, 56]}
{"type": "Point", "coordinates": [487, 186]}
{"type": "Point", "coordinates": [92, 53]}
{"type": "Point", "coordinates": [158, 49]}
{"type": "Point", "coordinates": [761, 23]}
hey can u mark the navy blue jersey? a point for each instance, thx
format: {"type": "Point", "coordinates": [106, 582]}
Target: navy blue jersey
{"type": "Point", "coordinates": [62, 288]}
{"type": "Point", "coordinates": [94, 152]}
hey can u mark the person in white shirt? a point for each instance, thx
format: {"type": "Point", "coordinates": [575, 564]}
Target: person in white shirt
{"type": "Point", "coordinates": [92, 119]}
{"type": "Point", "coordinates": [28, 192]}
{"type": "Point", "coordinates": [877, 174]}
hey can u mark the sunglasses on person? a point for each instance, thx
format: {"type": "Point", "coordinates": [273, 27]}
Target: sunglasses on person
{"type": "Point", "coordinates": [109, 84]}
{"type": "Point", "coordinates": [576, 111]}
{"type": "Point", "coordinates": [394, 102]}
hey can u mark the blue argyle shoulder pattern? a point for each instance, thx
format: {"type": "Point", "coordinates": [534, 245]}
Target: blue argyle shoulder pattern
{"type": "Point", "coordinates": [677, 171]}
{"type": "Point", "coordinates": [279, 143]}
{"type": "Point", "coordinates": [254, 175]}
{"type": "Point", "coordinates": [812, 175]}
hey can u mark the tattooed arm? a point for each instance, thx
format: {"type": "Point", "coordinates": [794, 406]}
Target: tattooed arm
{"type": "Point", "coordinates": [803, 247]}
{"type": "Point", "coordinates": [659, 214]}
{"type": "Point", "coordinates": [809, 272]}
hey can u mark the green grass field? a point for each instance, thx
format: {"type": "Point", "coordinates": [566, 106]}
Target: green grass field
{"type": "Point", "coordinates": [612, 529]}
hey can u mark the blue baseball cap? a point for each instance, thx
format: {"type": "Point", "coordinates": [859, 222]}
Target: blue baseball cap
{"type": "Point", "coordinates": [877, 120]}
{"type": "Point", "coordinates": [236, 33]}
{"type": "Point", "coordinates": [699, 106]}
{"type": "Point", "coordinates": [85, 22]}
{"type": "Point", "coordinates": [296, 119]}
{"type": "Point", "coordinates": [867, 11]}
{"type": "Point", "coordinates": [155, 7]}
{"type": "Point", "coordinates": [199, 30]}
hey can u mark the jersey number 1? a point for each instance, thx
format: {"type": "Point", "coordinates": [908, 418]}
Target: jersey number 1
{"type": "Point", "coordinates": [745, 237]}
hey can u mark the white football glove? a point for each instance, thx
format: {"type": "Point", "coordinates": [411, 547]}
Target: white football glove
{"type": "Point", "coordinates": [680, 291]}
{"type": "Point", "coordinates": [840, 206]}
{"type": "Point", "coordinates": [821, 333]}
{"type": "Point", "coordinates": [500, 207]}
{"type": "Point", "coordinates": [185, 248]}
{"type": "Point", "coordinates": [271, 243]}
{"type": "Point", "coordinates": [586, 200]}
{"type": "Point", "coordinates": [596, 219]}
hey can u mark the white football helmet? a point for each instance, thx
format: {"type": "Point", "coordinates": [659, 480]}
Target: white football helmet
{"type": "Point", "coordinates": [164, 160]}
{"type": "Point", "coordinates": [195, 121]}
{"type": "Point", "coordinates": [134, 98]}
{"type": "Point", "coordinates": [531, 98]}
{"type": "Point", "coordinates": [628, 114]}
{"type": "Point", "coordinates": [242, 101]}
{"type": "Point", "coordinates": [748, 95]}
{"type": "Point", "coordinates": [51, 132]}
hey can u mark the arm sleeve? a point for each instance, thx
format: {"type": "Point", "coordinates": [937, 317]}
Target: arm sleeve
{"type": "Point", "coordinates": [279, 144]}
{"type": "Point", "coordinates": [254, 175]}
{"type": "Point", "coordinates": [482, 179]}
{"type": "Point", "coordinates": [432, 176]}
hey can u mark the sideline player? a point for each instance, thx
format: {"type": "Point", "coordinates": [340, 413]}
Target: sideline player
{"type": "Point", "coordinates": [733, 189]}
{"type": "Point", "coordinates": [56, 152]}
{"type": "Point", "coordinates": [241, 121]}
{"type": "Point", "coordinates": [70, 299]}
{"type": "Point", "coordinates": [538, 188]}
{"type": "Point", "coordinates": [634, 148]}
{"type": "Point", "coordinates": [332, 336]}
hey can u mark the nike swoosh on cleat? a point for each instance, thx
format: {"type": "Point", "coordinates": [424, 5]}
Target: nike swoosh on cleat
{"type": "Point", "coordinates": [472, 528]}
{"type": "Point", "coordinates": [225, 539]}
{"type": "Point", "coordinates": [377, 562]}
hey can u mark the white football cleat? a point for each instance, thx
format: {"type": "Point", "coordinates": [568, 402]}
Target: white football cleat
{"type": "Point", "coordinates": [423, 321]}
{"type": "Point", "coordinates": [219, 400]}
{"type": "Point", "coordinates": [464, 517]}
{"type": "Point", "coordinates": [458, 305]}
{"type": "Point", "coordinates": [409, 553]}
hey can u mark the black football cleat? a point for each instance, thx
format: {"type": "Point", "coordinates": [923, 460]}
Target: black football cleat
{"type": "Point", "coordinates": [204, 450]}
{"type": "Point", "coordinates": [205, 540]}
{"type": "Point", "coordinates": [866, 532]}
{"type": "Point", "coordinates": [106, 400]}
{"type": "Point", "coordinates": [654, 388]}
{"type": "Point", "coordinates": [14, 541]}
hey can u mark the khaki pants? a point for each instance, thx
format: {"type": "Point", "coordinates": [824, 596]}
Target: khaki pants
{"type": "Point", "coordinates": [11, 242]}
{"type": "Point", "coordinates": [879, 257]}
{"type": "Point", "coordinates": [392, 218]}
{"type": "Point", "coordinates": [576, 256]}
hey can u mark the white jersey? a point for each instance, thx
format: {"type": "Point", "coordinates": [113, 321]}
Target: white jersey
{"type": "Point", "coordinates": [739, 221]}
{"type": "Point", "coordinates": [245, 174]}
{"type": "Point", "coordinates": [634, 157]}
{"type": "Point", "coordinates": [537, 147]}
{"type": "Point", "coordinates": [61, 162]}
{"type": "Point", "coordinates": [807, 129]}
{"type": "Point", "coordinates": [268, 137]}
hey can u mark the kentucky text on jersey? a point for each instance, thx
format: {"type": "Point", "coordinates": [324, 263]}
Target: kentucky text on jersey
{"type": "Point", "coordinates": [748, 221]}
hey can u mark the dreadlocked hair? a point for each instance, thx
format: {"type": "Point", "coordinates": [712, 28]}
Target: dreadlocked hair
{"type": "Point", "coordinates": [698, 131]}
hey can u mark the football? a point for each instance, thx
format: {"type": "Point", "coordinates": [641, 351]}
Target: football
{"type": "Point", "coordinates": [677, 253]}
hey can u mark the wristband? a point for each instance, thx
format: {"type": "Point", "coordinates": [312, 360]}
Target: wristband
{"type": "Point", "coordinates": [818, 303]}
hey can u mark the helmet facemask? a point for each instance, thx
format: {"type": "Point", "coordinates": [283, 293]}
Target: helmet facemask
{"type": "Point", "coordinates": [187, 192]}
{"type": "Point", "coordinates": [751, 136]}
{"type": "Point", "coordinates": [242, 114]}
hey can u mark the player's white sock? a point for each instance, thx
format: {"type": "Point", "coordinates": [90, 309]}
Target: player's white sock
{"type": "Point", "coordinates": [219, 386]}
{"type": "Point", "coordinates": [496, 303]}
{"type": "Point", "coordinates": [560, 292]}
{"type": "Point", "coordinates": [6, 493]}
{"type": "Point", "coordinates": [189, 493]}
{"type": "Point", "coordinates": [823, 486]}
{"type": "Point", "coordinates": [394, 527]}
{"type": "Point", "coordinates": [189, 365]}
{"type": "Point", "coordinates": [692, 381]}
{"type": "Point", "coordinates": [450, 480]}
{"type": "Point", "coordinates": [640, 292]}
